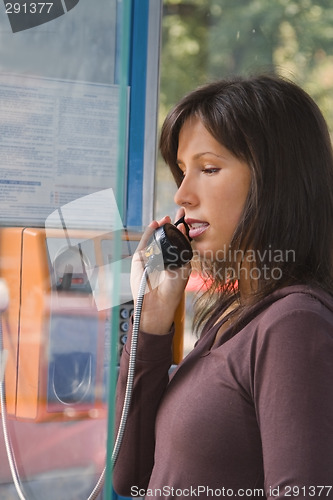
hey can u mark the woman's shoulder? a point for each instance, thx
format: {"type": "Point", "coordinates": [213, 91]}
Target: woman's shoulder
{"type": "Point", "coordinates": [298, 298]}
{"type": "Point", "coordinates": [292, 342]}
{"type": "Point", "coordinates": [298, 311]}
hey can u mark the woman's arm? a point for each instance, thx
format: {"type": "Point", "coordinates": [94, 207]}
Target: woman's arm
{"type": "Point", "coordinates": [136, 456]}
{"type": "Point", "coordinates": [164, 292]}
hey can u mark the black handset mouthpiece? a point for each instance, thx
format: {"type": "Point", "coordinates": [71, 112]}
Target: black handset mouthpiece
{"type": "Point", "coordinates": [168, 247]}
{"type": "Point", "coordinates": [187, 229]}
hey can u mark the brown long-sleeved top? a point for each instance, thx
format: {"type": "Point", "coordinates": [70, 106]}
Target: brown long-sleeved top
{"type": "Point", "coordinates": [251, 415]}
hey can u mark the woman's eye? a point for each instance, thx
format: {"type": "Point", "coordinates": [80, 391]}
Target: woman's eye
{"type": "Point", "coordinates": [210, 170]}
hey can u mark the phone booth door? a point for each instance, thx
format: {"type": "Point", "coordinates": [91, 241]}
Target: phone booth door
{"type": "Point", "coordinates": [76, 182]}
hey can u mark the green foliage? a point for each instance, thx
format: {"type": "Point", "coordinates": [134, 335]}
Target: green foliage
{"type": "Point", "coordinates": [208, 39]}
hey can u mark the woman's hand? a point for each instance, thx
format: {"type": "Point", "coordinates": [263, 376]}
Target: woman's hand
{"type": "Point", "coordinates": [164, 289]}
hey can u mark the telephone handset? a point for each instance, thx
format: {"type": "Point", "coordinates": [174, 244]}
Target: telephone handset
{"type": "Point", "coordinates": [169, 247]}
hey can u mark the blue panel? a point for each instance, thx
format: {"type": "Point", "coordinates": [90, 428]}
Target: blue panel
{"type": "Point", "coordinates": [137, 82]}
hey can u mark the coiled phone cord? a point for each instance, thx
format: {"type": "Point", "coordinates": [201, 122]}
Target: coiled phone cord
{"type": "Point", "coordinates": [8, 444]}
{"type": "Point", "coordinates": [130, 380]}
{"type": "Point", "coordinates": [126, 404]}
{"type": "Point", "coordinates": [131, 366]}
{"type": "Point", "coordinates": [4, 299]}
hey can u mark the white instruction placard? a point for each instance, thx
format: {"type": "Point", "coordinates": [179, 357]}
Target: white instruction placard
{"type": "Point", "coordinates": [58, 142]}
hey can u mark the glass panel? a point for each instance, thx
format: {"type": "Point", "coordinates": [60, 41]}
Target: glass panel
{"type": "Point", "coordinates": [63, 251]}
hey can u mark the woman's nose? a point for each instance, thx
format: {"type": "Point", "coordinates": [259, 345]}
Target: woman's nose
{"type": "Point", "coordinates": [186, 193]}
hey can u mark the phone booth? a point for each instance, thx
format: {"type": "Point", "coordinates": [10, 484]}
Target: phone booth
{"type": "Point", "coordinates": [79, 97]}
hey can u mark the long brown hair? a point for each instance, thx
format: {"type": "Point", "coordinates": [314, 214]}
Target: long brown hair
{"type": "Point", "coordinates": [278, 130]}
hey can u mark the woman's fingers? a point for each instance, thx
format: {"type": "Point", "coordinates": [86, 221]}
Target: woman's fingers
{"type": "Point", "coordinates": [149, 231]}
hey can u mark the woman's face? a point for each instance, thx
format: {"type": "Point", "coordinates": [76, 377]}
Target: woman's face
{"type": "Point", "coordinates": [213, 191]}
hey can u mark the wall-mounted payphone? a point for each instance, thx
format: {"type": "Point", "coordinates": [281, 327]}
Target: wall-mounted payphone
{"type": "Point", "coordinates": [55, 335]}
{"type": "Point", "coordinates": [55, 330]}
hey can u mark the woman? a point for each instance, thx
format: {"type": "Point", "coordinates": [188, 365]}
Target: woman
{"type": "Point", "coordinates": [249, 412]}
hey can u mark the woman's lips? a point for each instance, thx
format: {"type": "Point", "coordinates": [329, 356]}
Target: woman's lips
{"type": "Point", "coordinates": [197, 227]}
